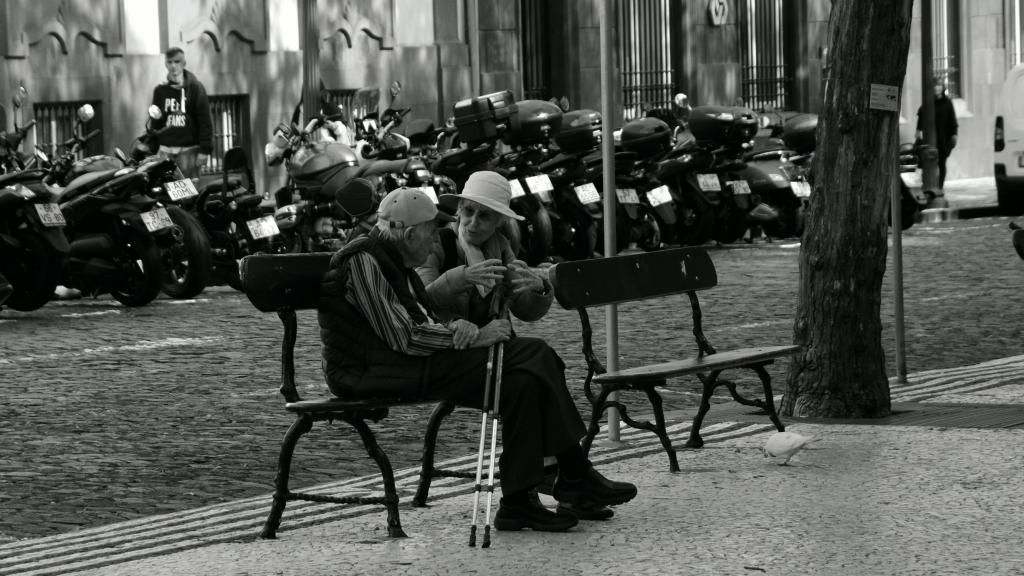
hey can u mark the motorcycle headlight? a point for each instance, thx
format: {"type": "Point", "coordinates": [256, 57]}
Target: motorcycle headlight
{"type": "Point", "coordinates": [423, 175]}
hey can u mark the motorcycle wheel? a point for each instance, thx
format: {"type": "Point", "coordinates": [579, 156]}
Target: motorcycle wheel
{"type": "Point", "coordinates": [695, 225]}
{"type": "Point", "coordinates": [188, 262]}
{"type": "Point", "coordinates": [648, 231]}
{"type": "Point", "coordinates": [788, 223]}
{"type": "Point", "coordinates": [730, 225]}
{"type": "Point", "coordinates": [225, 266]}
{"type": "Point", "coordinates": [34, 271]}
{"type": "Point", "coordinates": [536, 236]}
{"type": "Point", "coordinates": [140, 270]}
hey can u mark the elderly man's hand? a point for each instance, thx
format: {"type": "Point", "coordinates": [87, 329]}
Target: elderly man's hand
{"type": "Point", "coordinates": [485, 273]}
{"type": "Point", "coordinates": [525, 279]}
{"type": "Point", "coordinates": [464, 333]}
{"type": "Point", "coordinates": [495, 331]}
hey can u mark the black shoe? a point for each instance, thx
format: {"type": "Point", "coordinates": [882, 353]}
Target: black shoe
{"type": "Point", "coordinates": [593, 487]}
{"type": "Point", "coordinates": [586, 510]}
{"type": "Point", "coordinates": [532, 515]}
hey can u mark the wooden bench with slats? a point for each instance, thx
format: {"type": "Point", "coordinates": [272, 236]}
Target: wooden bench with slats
{"type": "Point", "coordinates": [286, 283]}
{"type": "Point", "coordinates": [587, 283]}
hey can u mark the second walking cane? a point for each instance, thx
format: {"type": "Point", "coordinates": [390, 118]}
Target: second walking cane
{"type": "Point", "coordinates": [491, 405]}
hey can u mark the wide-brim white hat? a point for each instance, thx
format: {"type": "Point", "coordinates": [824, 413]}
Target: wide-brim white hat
{"type": "Point", "coordinates": [489, 189]}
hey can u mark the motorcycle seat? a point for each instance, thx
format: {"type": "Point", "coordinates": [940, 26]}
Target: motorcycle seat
{"type": "Point", "coordinates": [84, 183]}
{"type": "Point", "coordinates": [378, 167]}
{"type": "Point", "coordinates": [21, 176]}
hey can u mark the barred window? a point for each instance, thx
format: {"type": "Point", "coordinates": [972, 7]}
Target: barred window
{"type": "Point", "coordinates": [645, 62]}
{"type": "Point", "coordinates": [946, 64]}
{"type": "Point", "coordinates": [55, 124]}
{"type": "Point", "coordinates": [766, 80]}
{"type": "Point", "coordinates": [230, 127]}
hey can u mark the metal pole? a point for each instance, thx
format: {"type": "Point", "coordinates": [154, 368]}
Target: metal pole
{"type": "Point", "coordinates": [929, 154]}
{"type": "Point", "coordinates": [897, 281]}
{"type": "Point", "coordinates": [310, 38]}
{"type": "Point", "coordinates": [608, 184]}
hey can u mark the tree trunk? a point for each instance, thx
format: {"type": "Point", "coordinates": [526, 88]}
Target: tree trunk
{"type": "Point", "coordinates": [841, 371]}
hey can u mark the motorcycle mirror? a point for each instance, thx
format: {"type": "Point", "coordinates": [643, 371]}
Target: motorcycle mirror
{"type": "Point", "coordinates": [86, 113]}
{"type": "Point", "coordinates": [396, 89]}
{"type": "Point", "coordinates": [19, 96]}
{"type": "Point", "coordinates": [154, 112]}
{"type": "Point", "coordinates": [356, 197]}
{"type": "Point", "coordinates": [120, 155]}
{"type": "Point", "coordinates": [681, 107]}
{"type": "Point", "coordinates": [42, 156]}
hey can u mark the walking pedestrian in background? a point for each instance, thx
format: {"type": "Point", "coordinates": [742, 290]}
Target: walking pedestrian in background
{"type": "Point", "coordinates": [186, 127]}
{"type": "Point", "coordinates": [945, 127]}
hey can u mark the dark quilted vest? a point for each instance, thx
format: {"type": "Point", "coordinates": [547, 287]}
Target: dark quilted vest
{"type": "Point", "coordinates": [356, 361]}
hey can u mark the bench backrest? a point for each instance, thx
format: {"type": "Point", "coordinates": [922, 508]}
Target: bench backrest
{"type": "Point", "coordinates": [631, 277]}
{"type": "Point", "coordinates": [275, 282]}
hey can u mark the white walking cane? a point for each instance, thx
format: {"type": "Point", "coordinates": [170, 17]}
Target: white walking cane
{"type": "Point", "coordinates": [492, 397]}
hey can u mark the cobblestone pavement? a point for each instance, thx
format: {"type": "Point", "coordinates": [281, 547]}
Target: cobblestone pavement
{"type": "Point", "coordinates": [112, 413]}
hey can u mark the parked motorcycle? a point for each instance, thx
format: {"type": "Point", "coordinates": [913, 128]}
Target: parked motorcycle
{"type": "Point", "coordinates": [112, 223]}
{"type": "Point", "coordinates": [799, 136]}
{"type": "Point", "coordinates": [307, 215]}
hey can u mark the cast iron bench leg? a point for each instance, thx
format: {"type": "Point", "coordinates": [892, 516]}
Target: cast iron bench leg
{"type": "Point", "coordinates": [378, 455]}
{"type": "Point", "coordinates": [710, 383]}
{"type": "Point", "coordinates": [769, 400]}
{"type": "Point", "coordinates": [659, 427]}
{"type": "Point", "coordinates": [441, 411]}
{"type": "Point", "coordinates": [302, 424]}
{"type": "Point", "coordinates": [595, 416]}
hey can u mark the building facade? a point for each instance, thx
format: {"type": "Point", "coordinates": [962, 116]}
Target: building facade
{"type": "Point", "coordinates": [765, 54]}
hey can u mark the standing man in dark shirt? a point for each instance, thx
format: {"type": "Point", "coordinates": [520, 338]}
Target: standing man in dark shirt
{"type": "Point", "coordinates": [186, 126]}
{"type": "Point", "coordinates": [945, 127]}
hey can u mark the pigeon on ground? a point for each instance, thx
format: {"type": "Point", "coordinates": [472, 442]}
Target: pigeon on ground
{"type": "Point", "coordinates": [785, 445]}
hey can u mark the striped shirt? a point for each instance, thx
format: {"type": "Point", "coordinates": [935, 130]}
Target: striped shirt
{"type": "Point", "coordinates": [371, 294]}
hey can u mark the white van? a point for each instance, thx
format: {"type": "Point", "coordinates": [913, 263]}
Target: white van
{"type": "Point", "coordinates": [1009, 143]}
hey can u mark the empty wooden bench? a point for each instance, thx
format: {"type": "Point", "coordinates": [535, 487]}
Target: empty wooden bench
{"type": "Point", "coordinates": [285, 283]}
{"type": "Point", "coordinates": [587, 283]}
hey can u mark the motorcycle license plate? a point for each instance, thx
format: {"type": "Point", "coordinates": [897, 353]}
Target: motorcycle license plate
{"type": "Point", "coordinates": [911, 179]}
{"type": "Point", "coordinates": [739, 187]}
{"type": "Point", "coordinates": [430, 192]}
{"type": "Point", "coordinates": [541, 186]}
{"type": "Point", "coordinates": [709, 182]}
{"type": "Point", "coordinates": [627, 196]}
{"type": "Point", "coordinates": [587, 193]}
{"type": "Point", "coordinates": [517, 188]}
{"type": "Point", "coordinates": [659, 196]}
{"type": "Point", "coordinates": [156, 219]}
{"type": "Point", "coordinates": [50, 215]}
{"type": "Point", "coordinates": [800, 189]}
{"type": "Point", "coordinates": [181, 189]}
{"type": "Point", "coordinates": [264, 227]}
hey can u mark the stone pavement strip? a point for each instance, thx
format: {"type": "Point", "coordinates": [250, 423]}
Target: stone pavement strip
{"type": "Point", "coordinates": [861, 500]}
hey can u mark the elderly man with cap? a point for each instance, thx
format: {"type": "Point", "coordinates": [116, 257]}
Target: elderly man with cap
{"type": "Point", "coordinates": [381, 337]}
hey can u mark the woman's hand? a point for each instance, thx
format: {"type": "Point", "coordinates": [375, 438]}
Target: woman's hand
{"type": "Point", "coordinates": [495, 331]}
{"type": "Point", "coordinates": [464, 333]}
{"type": "Point", "coordinates": [485, 273]}
{"type": "Point", "coordinates": [525, 279]}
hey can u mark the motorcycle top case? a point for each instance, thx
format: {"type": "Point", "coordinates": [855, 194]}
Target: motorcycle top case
{"type": "Point", "coordinates": [646, 136]}
{"type": "Point", "coordinates": [798, 133]}
{"type": "Point", "coordinates": [581, 131]}
{"type": "Point", "coordinates": [483, 118]}
{"type": "Point", "coordinates": [318, 163]}
{"type": "Point", "coordinates": [534, 122]}
{"type": "Point", "coordinates": [723, 125]}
